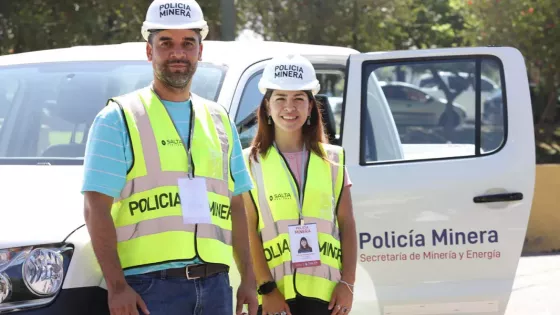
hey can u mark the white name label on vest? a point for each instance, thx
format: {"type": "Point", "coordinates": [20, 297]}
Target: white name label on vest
{"type": "Point", "coordinates": [194, 200]}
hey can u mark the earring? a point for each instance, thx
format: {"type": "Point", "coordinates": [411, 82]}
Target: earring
{"type": "Point", "coordinates": [270, 120]}
{"type": "Point", "coordinates": [308, 120]}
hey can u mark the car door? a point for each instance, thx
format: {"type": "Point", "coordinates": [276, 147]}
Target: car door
{"type": "Point", "coordinates": [439, 231]}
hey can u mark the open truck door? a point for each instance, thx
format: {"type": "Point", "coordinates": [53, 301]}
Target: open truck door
{"type": "Point", "coordinates": [439, 231]}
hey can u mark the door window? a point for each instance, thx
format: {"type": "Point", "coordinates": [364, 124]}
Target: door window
{"type": "Point", "coordinates": [445, 122]}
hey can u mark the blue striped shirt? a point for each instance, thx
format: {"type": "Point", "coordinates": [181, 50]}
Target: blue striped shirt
{"type": "Point", "coordinates": [108, 156]}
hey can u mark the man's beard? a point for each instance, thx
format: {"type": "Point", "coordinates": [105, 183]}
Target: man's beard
{"type": "Point", "coordinates": [175, 79]}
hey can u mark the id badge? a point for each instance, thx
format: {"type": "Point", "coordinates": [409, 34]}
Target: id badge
{"type": "Point", "coordinates": [194, 200]}
{"type": "Point", "coordinates": [304, 245]}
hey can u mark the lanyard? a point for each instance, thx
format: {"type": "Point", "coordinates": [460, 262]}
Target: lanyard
{"type": "Point", "coordinates": [187, 146]}
{"type": "Point", "coordinates": [292, 183]}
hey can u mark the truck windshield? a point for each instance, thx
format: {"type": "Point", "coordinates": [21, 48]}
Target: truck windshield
{"type": "Point", "coordinates": [46, 109]}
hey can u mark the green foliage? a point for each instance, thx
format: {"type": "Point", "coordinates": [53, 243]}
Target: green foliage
{"type": "Point", "coordinates": [363, 25]}
{"type": "Point", "coordinates": [366, 25]}
{"type": "Point", "coordinates": [532, 27]}
{"type": "Point", "coordinates": [430, 24]}
{"type": "Point", "coordinates": [30, 25]}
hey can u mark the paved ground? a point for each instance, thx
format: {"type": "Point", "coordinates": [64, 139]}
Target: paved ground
{"type": "Point", "coordinates": [536, 290]}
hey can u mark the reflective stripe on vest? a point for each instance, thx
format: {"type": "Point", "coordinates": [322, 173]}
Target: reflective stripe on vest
{"type": "Point", "coordinates": [277, 209]}
{"type": "Point", "coordinates": [148, 215]}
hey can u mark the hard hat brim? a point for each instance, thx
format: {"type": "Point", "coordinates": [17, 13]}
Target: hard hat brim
{"type": "Point", "coordinates": [202, 26]}
{"type": "Point", "coordinates": [313, 86]}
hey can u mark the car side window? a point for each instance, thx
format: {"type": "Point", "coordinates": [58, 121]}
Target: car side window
{"type": "Point", "coordinates": [245, 118]}
{"type": "Point", "coordinates": [414, 95]}
{"type": "Point", "coordinates": [440, 122]}
{"type": "Point", "coordinates": [332, 86]}
{"type": "Point", "coordinates": [486, 86]}
{"type": "Point", "coordinates": [428, 83]}
{"type": "Point", "coordinates": [395, 93]}
{"type": "Point", "coordinates": [52, 105]}
{"type": "Point", "coordinates": [8, 89]}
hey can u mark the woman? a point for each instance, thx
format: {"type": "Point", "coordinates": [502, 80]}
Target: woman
{"type": "Point", "coordinates": [304, 246]}
{"type": "Point", "coordinates": [291, 164]}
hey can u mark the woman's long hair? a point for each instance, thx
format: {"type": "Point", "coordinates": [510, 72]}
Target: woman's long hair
{"type": "Point", "coordinates": [313, 134]}
{"type": "Point", "coordinates": [306, 243]}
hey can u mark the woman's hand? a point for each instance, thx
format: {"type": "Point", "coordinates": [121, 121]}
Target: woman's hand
{"type": "Point", "coordinates": [274, 303]}
{"type": "Point", "coordinates": [341, 300]}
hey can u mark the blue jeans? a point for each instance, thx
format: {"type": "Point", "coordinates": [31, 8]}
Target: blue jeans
{"type": "Point", "coordinates": [179, 296]}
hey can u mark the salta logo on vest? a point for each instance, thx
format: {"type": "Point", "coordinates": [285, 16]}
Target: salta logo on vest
{"type": "Point", "coordinates": [172, 142]}
{"type": "Point", "coordinates": [282, 196]}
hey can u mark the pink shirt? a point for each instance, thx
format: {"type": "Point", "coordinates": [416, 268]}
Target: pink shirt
{"type": "Point", "coordinates": [294, 160]}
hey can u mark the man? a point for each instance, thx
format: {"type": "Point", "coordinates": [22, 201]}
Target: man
{"type": "Point", "coordinates": [162, 205]}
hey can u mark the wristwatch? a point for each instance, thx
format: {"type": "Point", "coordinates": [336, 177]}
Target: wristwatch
{"type": "Point", "coordinates": [266, 287]}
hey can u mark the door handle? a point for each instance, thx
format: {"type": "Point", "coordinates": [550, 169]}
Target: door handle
{"type": "Point", "coordinates": [498, 197]}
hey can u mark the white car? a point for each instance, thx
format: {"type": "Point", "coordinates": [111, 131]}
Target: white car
{"type": "Point", "coordinates": [440, 226]}
{"type": "Point", "coordinates": [412, 106]}
{"type": "Point", "coordinates": [455, 82]}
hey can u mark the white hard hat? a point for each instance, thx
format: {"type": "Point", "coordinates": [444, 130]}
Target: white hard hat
{"type": "Point", "coordinates": [289, 72]}
{"type": "Point", "coordinates": [174, 14]}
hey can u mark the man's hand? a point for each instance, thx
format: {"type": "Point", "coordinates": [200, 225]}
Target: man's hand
{"type": "Point", "coordinates": [247, 294]}
{"type": "Point", "coordinates": [97, 214]}
{"type": "Point", "coordinates": [123, 300]}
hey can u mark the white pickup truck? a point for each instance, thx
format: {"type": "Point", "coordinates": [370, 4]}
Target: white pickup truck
{"type": "Point", "coordinates": [441, 211]}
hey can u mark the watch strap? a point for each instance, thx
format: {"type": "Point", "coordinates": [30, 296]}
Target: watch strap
{"type": "Point", "coordinates": [266, 287]}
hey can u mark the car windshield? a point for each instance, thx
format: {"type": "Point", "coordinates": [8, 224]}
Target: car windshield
{"type": "Point", "coordinates": [46, 109]}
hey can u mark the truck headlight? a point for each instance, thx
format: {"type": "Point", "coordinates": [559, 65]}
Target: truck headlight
{"type": "Point", "coordinates": [5, 287]}
{"type": "Point", "coordinates": [32, 276]}
{"type": "Point", "coordinates": [43, 271]}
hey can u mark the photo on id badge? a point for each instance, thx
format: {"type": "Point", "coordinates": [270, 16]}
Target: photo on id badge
{"type": "Point", "coordinates": [304, 245]}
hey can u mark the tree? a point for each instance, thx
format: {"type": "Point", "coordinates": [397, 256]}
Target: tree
{"type": "Point", "coordinates": [33, 25]}
{"type": "Point", "coordinates": [366, 25]}
{"type": "Point", "coordinates": [359, 24]}
{"type": "Point", "coordinates": [531, 27]}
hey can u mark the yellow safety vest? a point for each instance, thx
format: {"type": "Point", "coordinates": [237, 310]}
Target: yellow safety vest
{"type": "Point", "coordinates": [147, 215]}
{"type": "Point", "coordinates": [278, 208]}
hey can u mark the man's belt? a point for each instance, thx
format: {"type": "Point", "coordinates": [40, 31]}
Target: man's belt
{"type": "Point", "coordinates": [192, 271]}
